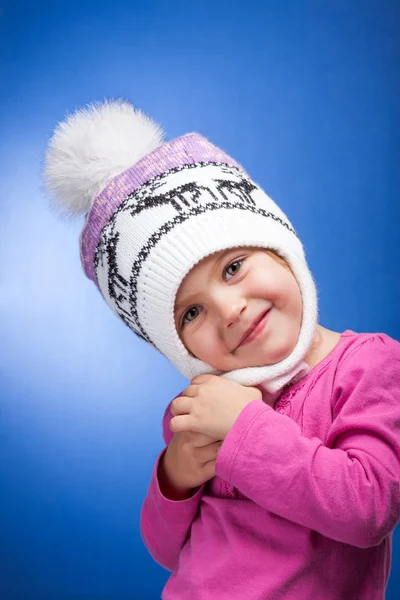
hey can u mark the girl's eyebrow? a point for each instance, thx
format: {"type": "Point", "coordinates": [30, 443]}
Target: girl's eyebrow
{"type": "Point", "coordinates": [214, 268]}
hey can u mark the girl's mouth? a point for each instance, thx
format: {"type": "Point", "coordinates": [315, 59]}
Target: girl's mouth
{"type": "Point", "coordinates": [257, 330]}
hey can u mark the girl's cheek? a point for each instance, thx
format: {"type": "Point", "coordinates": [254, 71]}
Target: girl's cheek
{"type": "Point", "coordinates": [191, 335]}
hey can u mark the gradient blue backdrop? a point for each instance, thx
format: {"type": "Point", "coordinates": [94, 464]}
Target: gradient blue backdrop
{"type": "Point", "coordinates": [305, 96]}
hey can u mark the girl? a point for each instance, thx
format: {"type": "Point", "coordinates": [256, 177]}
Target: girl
{"type": "Point", "coordinates": [280, 473]}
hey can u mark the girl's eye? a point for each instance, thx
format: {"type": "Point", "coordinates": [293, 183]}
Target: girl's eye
{"type": "Point", "coordinates": [189, 315]}
{"type": "Point", "coordinates": [234, 265]}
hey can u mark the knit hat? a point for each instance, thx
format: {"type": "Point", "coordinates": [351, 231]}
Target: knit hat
{"type": "Point", "coordinates": [153, 210]}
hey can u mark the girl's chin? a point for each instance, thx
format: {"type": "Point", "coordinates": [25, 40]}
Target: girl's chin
{"type": "Point", "coordinates": [269, 357]}
{"type": "Point", "coordinates": [262, 358]}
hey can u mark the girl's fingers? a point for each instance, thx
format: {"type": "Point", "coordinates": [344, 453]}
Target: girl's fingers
{"type": "Point", "coordinates": [181, 406]}
{"type": "Point", "coordinates": [180, 423]}
{"type": "Point", "coordinates": [208, 470]}
{"type": "Point", "coordinates": [199, 440]}
{"type": "Point", "coordinates": [210, 452]}
{"type": "Point", "coordinates": [203, 378]}
{"type": "Point", "coordinates": [191, 391]}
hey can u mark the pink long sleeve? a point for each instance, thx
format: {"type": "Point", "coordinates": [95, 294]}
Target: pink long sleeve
{"type": "Point", "coordinates": [346, 488]}
{"type": "Point", "coordinates": [165, 524]}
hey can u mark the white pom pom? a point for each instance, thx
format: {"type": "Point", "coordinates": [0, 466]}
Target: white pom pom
{"type": "Point", "coordinates": [92, 146]}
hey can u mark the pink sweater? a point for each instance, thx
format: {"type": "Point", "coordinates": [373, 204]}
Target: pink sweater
{"type": "Point", "coordinates": [306, 494]}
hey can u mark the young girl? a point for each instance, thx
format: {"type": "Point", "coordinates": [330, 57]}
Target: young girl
{"type": "Point", "coordinates": [280, 473]}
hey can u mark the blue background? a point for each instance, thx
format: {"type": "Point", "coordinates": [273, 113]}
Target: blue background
{"type": "Point", "coordinates": [305, 96]}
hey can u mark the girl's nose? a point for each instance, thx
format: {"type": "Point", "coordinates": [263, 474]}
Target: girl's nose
{"type": "Point", "coordinates": [231, 309]}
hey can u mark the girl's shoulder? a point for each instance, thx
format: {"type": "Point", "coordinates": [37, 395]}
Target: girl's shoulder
{"type": "Point", "coordinates": [367, 349]}
{"type": "Point", "coordinates": [367, 365]}
{"type": "Point", "coordinates": [355, 356]}
{"type": "Point", "coordinates": [354, 351]}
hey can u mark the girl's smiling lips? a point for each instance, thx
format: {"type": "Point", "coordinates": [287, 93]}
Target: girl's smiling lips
{"type": "Point", "coordinates": [255, 329]}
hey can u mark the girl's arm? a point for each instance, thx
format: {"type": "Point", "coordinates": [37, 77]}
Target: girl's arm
{"type": "Point", "coordinates": [164, 523]}
{"type": "Point", "coordinates": [347, 489]}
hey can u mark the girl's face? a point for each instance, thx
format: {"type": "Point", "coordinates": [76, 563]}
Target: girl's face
{"type": "Point", "coordinates": [222, 296]}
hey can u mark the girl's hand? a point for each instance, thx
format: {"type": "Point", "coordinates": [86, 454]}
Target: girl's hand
{"type": "Point", "coordinates": [211, 405]}
{"type": "Point", "coordinates": [188, 462]}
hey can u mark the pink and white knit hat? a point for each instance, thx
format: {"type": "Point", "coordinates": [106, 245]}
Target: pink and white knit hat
{"type": "Point", "coordinates": [153, 210]}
